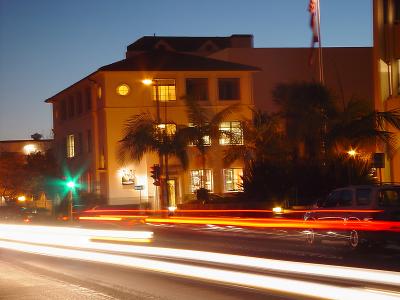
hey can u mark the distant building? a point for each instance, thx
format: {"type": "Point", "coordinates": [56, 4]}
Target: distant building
{"type": "Point", "coordinates": [386, 64]}
{"type": "Point", "coordinates": [26, 147]}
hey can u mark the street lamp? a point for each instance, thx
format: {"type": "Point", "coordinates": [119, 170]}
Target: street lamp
{"type": "Point", "coordinates": [352, 155]}
{"type": "Point", "coordinates": [151, 82]}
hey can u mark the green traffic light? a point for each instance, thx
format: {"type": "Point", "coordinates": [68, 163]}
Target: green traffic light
{"type": "Point", "coordinates": [71, 184]}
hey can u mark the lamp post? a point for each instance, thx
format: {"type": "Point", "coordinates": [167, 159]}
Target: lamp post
{"type": "Point", "coordinates": [71, 186]}
{"type": "Point", "coordinates": [151, 82]}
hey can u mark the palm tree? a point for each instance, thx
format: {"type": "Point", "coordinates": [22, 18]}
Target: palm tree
{"type": "Point", "coordinates": [204, 128]}
{"type": "Point", "coordinates": [263, 140]}
{"type": "Point", "coordinates": [142, 134]}
{"type": "Point", "coordinates": [306, 108]}
{"type": "Point", "coordinates": [359, 126]}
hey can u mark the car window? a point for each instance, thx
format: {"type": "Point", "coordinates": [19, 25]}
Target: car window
{"type": "Point", "coordinates": [389, 197]}
{"type": "Point", "coordinates": [332, 200]}
{"type": "Point", "coordinates": [363, 196]}
{"type": "Point", "coordinates": [346, 198]}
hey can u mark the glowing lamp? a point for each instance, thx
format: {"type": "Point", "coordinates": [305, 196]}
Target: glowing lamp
{"type": "Point", "coordinates": [147, 81]}
{"type": "Point", "coordinates": [352, 152]}
{"type": "Point", "coordinates": [71, 184]}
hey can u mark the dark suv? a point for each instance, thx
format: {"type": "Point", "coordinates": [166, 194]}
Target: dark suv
{"type": "Point", "coordinates": [375, 205]}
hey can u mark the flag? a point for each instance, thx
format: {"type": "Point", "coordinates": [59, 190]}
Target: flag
{"type": "Point", "coordinates": [312, 8]}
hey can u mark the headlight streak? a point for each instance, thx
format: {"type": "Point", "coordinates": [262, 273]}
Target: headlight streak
{"type": "Point", "coordinates": [265, 282]}
{"type": "Point", "coordinates": [75, 237]}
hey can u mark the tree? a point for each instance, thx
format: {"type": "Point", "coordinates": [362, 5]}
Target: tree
{"type": "Point", "coordinates": [204, 128]}
{"type": "Point", "coordinates": [36, 136]}
{"type": "Point", "coordinates": [263, 140]}
{"type": "Point", "coordinates": [12, 177]}
{"type": "Point", "coordinates": [26, 174]}
{"type": "Point", "coordinates": [359, 126]}
{"type": "Point", "coordinates": [142, 134]}
{"type": "Point", "coordinates": [306, 108]}
{"type": "Point", "coordinates": [315, 123]}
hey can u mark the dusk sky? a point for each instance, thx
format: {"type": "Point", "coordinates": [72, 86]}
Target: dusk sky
{"type": "Point", "coordinates": [47, 45]}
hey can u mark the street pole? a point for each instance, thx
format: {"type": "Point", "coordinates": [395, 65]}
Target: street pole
{"type": "Point", "coordinates": [70, 205]}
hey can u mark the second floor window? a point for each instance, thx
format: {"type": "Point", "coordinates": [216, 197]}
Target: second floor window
{"type": "Point", "coordinates": [70, 146]}
{"type": "Point", "coordinates": [63, 109]}
{"type": "Point", "coordinates": [197, 88]}
{"type": "Point", "coordinates": [229, 88]}
{"type": "Point", "coordinates": [231, 133]}
{"type": "Point", "coordinates": [71, 107]}
{"type": "Point", "coordinates": [164, 90]}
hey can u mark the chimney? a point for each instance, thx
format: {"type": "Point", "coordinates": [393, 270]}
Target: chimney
{"type": "Point", "coordinates": [241, 40]}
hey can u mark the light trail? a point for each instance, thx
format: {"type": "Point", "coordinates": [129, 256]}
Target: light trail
{"type": "Point", "coordinates": [370, 225]}
{"type": "Point", "coordinates": [53, 234]}
{"type": "Point", "coordinates": [65, 237]}
{"type": "Point", "coordinates": [264, 282]}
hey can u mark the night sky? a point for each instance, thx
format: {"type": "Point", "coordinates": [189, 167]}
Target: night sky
{"type": "Point", "coordinates": [47, 45]}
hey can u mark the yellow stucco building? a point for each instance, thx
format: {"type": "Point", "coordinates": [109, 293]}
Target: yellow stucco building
{"type": "Point", "coordinates": [386, 63]}
{"type": "Point", "coordinates": [89, 118]}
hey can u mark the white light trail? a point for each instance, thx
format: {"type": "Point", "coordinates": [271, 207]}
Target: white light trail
{"type": "Point", "coordinates": [78, 237]}
{"type": "Point", "coordinates": [264, 282]}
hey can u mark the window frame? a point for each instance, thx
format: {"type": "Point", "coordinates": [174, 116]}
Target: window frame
{"type": "Point", "coordinates": [229, 140]}
{"type": "Point", "coordinates": [193, 187]}
{"type": "Point", "coordinates": [229, 89]}
{"type": "Point", "coordinates": [200, 88]}
{"type": "Point", "coordinates": [164, 89]}
{"type": "Point", "coordinates": [70, 146]}
{"type": "Point", "coordinates": [236, 182]}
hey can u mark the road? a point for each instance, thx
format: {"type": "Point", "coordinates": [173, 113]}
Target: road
{"type": "Point", "coordinates": [53, 276]}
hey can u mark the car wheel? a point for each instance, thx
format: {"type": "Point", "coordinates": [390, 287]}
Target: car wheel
{"type": "Point", "coordinates": [310, 234]}
{"type": "Point", "coordinates": [310, 237]}
{"type": "Point", "coordinates": [355, 240]}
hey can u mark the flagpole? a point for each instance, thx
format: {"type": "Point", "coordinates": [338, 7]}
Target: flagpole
{"type": "Point", "coordinates": [320, 59]}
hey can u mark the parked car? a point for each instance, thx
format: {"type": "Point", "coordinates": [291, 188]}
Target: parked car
{"type": "Point", "coordinates": [36, 215]}
{"type": "Point", "coordinates": [357, 203]}
{"type": "Point", "coordinates": [11, 213]}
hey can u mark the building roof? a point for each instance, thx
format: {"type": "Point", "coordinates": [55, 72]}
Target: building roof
{"type": "Point", "coordinates": [160, 60]}
{"type": "Point", "coordinates": [182, 44]}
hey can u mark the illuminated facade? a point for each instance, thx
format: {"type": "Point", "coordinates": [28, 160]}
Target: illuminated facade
{"type": "Point", "coordinates": [89, 117]}
{"type": "Point", "coordinates": [386, 62]}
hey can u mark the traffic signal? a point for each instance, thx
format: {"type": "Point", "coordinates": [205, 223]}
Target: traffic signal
{"type": "Point", "coordinates": [155, 174]}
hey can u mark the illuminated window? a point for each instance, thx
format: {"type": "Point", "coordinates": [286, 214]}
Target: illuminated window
{"type": "Point", "coordinates": [231, 133]}
{"type": "Point", "coordinates": [164, 90]}
{"type": "Point", "coordinates": [233, 180]}
{"type": "Point", "coordinates": [70, 146]}
{"type": "Point", "coordinates": [29, 149]}
{"type": "Point", "coordinates": [206, 138]}
{"type": "Point", "coordinates": [197, 88]}
{"type": "Point", "coordinates": [169, 128]}
{"type": "Point", "coordinates": [199, 176]}
{"type": "Point", "coordinates": [229, 88]}
{"type": "Point", "coordinates": [123, 89]}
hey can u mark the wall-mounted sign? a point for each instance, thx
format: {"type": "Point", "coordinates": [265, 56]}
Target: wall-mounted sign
{"type": "Point", "coordinates": [128, 177]}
